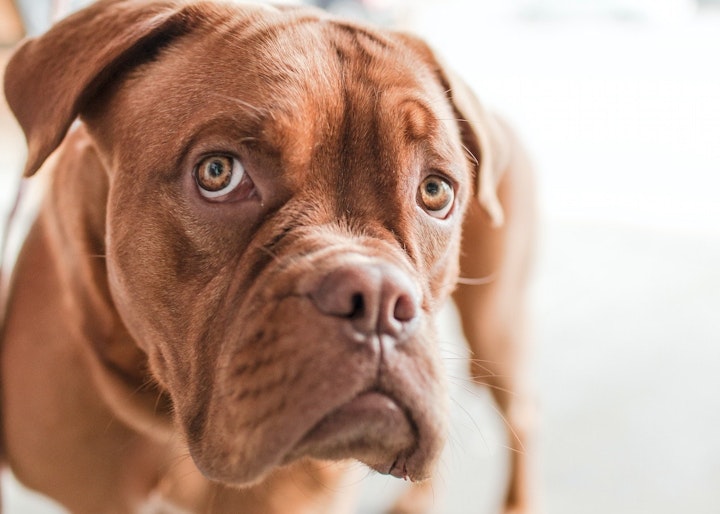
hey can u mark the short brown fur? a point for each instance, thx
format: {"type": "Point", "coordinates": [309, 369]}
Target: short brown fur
{"type": "Point", "coordinates": [159, 344]}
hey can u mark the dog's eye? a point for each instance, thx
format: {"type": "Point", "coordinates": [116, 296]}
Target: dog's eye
{"type": "Point", "coordinates": [436, 196]}
{"type": "Point", "coordinates": [218, 175]}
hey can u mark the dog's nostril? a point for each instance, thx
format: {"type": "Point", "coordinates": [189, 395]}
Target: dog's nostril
{"type": "Point", "coordinates": [357, 306]}
{"type": "Point", "coordinates": [405, 308]}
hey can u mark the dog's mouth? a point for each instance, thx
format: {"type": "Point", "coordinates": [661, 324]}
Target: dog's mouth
{"type": "Point", "coordinates": [372, 428]}
{"type": "Point", "coordinates": [279, 399]}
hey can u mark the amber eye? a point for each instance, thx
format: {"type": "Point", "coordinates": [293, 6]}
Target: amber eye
{"type": "Point", "coordinates": [218, 175]}
{"type": "Point", "coordinates": [436, 196]}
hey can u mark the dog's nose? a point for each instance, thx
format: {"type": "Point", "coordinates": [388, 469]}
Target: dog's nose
{"type": "Point", "coordinates": [373, 298]}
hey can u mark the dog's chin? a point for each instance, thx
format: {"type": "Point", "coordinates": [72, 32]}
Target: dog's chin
{"type": "Point", "coordinates": [371, 428]}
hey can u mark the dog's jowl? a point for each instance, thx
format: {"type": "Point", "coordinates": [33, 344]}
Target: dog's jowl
{"type": "Point", "coordinates": [253, 215]}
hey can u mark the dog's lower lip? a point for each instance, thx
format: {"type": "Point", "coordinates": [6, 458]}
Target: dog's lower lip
{"type": "Point", "coordinates": [371, 427]}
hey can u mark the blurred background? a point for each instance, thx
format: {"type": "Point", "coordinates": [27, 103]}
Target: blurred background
{"type": "Point", "coordinates": [619, 104]}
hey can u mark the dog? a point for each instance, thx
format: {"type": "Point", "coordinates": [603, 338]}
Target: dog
{"type": "Point", "coordinates": [253, 216]}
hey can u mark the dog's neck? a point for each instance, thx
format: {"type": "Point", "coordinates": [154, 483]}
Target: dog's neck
{"type": "Point", "coordinates": [119, 366]}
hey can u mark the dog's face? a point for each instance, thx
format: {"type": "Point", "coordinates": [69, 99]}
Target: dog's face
{"type": "Point", "coordinates": [283, 222]}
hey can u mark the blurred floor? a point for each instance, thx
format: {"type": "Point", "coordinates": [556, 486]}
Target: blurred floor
{"type": "Point", "coordinates": [624, 123]}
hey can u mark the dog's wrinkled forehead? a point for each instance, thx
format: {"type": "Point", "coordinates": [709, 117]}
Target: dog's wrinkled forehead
{"type": "Point", "coordinates": [297, 84]}
{"type": "Point", "coordinates": [302, 66]}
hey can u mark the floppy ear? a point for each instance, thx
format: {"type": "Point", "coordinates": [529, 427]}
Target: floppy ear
{"type": "Point", "coordinates": [485, 138]}
{"type": "Point", "coordinates": [50, 78]}
{"type": "Point", "coordinates": [481, 133]}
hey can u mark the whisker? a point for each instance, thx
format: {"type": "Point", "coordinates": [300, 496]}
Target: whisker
{"type": "Point", "coordinates": [471, 155]}
{"type": "Point", "coordinates": [449, 348]}
{"type": "Point", "coordinates": [472, 420]}
{"type": "Point", "coordinates": [489, 386]}
{"type": "Point", "coordinates": [499, 412]}
{"type": "Point", "coordinates": [484, 361]}
{"type": "Point", "coordinates": [510, 428]}
{"type": "Point", "coordinates": [366, 475]}
{"type": "Point", "coordinates": [176, 461]}
{"type": "Point", "coordinates": [474, 378]}
{"type": "Point", "coordinates": [477, 363]}
{"type": "Point", "coordinates": [260, 111]}
{"type": "Point", "coordinates": [157, 402]}
{"type": "Point", "coordinates": [460, 357]}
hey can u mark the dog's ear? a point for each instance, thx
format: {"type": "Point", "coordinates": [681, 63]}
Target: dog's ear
{"type": "Point", "coordinates": [483, 136]}
{"type": "Point", "coordinates": [50, 78]}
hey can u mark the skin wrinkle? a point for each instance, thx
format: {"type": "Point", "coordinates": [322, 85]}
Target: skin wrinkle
{"type": "Point", "coordinates": [261, 390]}
{"type": "Point", "coordinates": [254, 392]}
{"type": "Point", "coordinates": [261, 417]}
{"type": "Point", "coordinates": [356, 32]}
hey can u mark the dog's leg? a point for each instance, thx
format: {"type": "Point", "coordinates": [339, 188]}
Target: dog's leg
{"type": "Point", "coordinates": [492, 310]}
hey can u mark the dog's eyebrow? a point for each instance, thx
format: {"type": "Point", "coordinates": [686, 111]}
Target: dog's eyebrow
{"type": "Point", "coordinates": [418, 118]}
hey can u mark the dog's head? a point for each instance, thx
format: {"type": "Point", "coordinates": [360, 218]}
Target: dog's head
{"type": "Point", "coordinates": [283, 218]}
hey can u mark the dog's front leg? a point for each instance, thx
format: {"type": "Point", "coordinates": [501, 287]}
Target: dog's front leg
{"type": "Point", "coordinates": [491, 301]}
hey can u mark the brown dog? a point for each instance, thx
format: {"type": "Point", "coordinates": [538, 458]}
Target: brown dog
{"type": "Point", "coordinates": [244, 244]}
